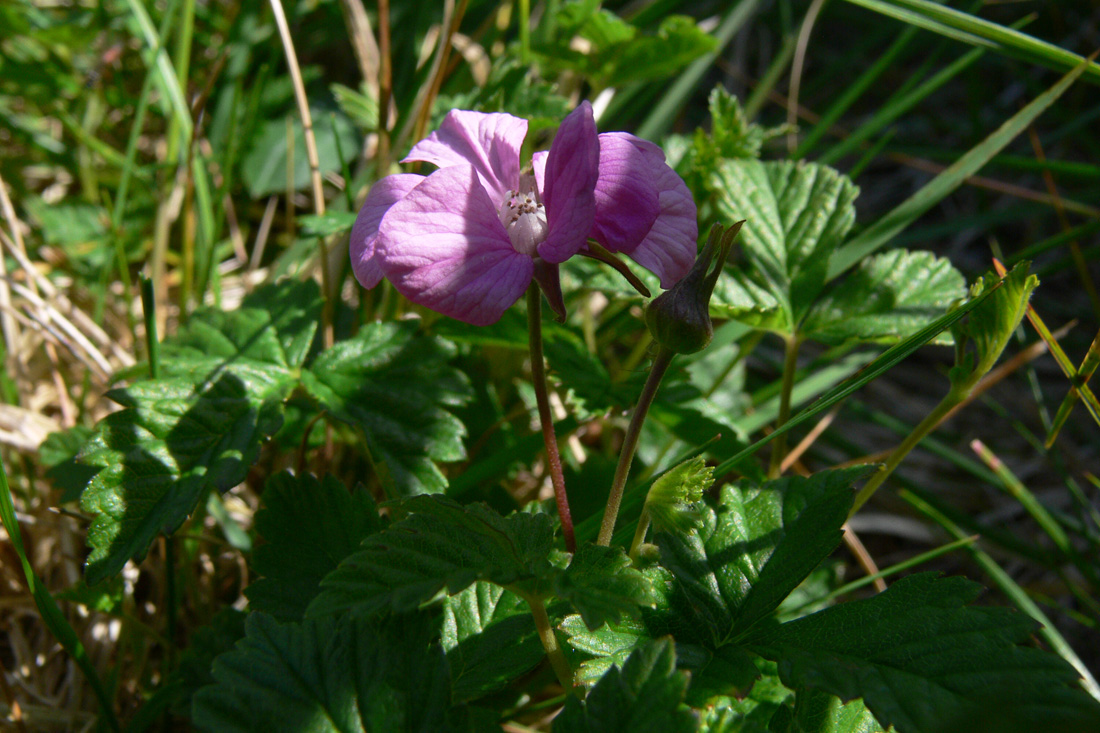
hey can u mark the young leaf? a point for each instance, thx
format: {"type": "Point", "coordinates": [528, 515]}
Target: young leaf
{"type": "Point", "coordinates": [756, 547]}
{"type": "Point", "coordinates": [308, 526]}
{"type": "Point", "coordinates": [602, 585]}
{"type": "Point", "coordinates": [924, 661]}
{"type": "Point", "coordinates": [991, 325]}
{"type": "Point", "coordinates": [326, 674]}
{"type": "Point", "coordinates": [800, 213]}
{"type": "Point", "coordinates": [672, 494]}
{"type": "Point", "coordinates": [396, 386]}
{"type": "Point", "coordinates": [439, 545]}
{"type": "Point", "coordinates": [818, 712]}
{"type": "Point", "coordinates": [490, 640]}
{"type": "Point", "coordinates": [888, 298]}
{"type": "Point", "coordinates": [645, 695]}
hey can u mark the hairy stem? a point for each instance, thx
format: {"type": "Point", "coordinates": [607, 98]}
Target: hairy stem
{"type": "Point", "coordinates": [630, 444]}
{"type": "Point", "coordinates": [546, 420]}
{"type": "Point", "coordinates": [779, 445]}
{"type": "Point", "coordinates": [550, 642]}
{"type": "Point", "coordinates": [639, 533]}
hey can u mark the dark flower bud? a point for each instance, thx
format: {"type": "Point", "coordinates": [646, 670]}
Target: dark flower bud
{"type": "Point", "coordinates": [679, 318]}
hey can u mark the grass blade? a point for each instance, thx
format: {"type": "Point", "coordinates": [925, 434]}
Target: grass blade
{"type": "Point", "coordinates": [879, 233]}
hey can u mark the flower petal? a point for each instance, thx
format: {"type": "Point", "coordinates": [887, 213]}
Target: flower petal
{"type": "Point", "coordinates": [572, 168]}
{"type": "Point", "coordinates": [365, 263]}
{"type": "Point", "coordinates": [443, 246]}
{"type": "Point", "coordinates": [669, 249]}
{"type": "Point", "coordinates": [488, 142]}
{"type": "Point", "coordinates": [626, 200]}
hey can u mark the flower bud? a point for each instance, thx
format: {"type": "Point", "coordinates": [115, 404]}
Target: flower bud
{"type": "Point", "coordinates": [679, 318]}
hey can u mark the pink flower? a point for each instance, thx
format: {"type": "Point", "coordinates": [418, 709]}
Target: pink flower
{"type": "Point", "coordinates": [464, 240]}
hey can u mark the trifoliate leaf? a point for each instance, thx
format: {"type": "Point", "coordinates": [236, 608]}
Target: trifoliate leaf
{"type": "Point", "coordinates": [344, 675]}
{"type": "Point", "coordinates": [603, 585]}
{"type": "Point", "coordinates": [308, 526]}
{"type": "Point", "coordinates": [199, 427]}
{"type": "Point", "coordinates": [159, 457]}
{"type": "Point", "coordinates": [438, 545]}
{"type": "Point", "coordinates": [756, 547]}
{"type": "Point", "coordinates": [646, 695]}
{"type": "Point", "coordinates": [889, 297]}
{"type": "Point", "coordinates": [924, 661]}
{"type": "Point", "coordinates": [397, 387]}
{"type": "Point", "coordinates": [672, 494]}
{"type": "Point", "coordinates": [798, 213]}
{"type": "Point", "coordinates": [990, 325]}
{"type": "Point", "coordinates": [490, 640]}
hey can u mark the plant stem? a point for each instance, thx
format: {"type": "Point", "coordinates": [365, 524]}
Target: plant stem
{"type": "Point", "coordinates": [630, 444]}
{"type": "Point", "coordinates": [550, 642]}
{"type": "Point", "coordinates": [525, 31]}
{"type": "Point", "coordinates": [546, 420]}
{"type": "Point", "coordinates": [926, 426]}
{"type": "Point", "coordinates": [790, 364]}
{"type": "Point", "coordinates": [639, 533]}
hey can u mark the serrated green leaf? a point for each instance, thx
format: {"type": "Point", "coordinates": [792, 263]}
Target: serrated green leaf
{"type": "Point", "coordinates": [888, 298]}
{"type": "Point", "coordinates": [161, 456]}
{"type": "Point", "coordinates": [396, 386]}
{"type": "Point", "coordinates": [348, 675]}
{"type": "Point", "coordinates": [989, 326]}
{"type": "Point", "coordinates": [797, 214]}
{"type": "Point", "coordinates": [438, 545]}
{"type": "Point", "coordinates": [645, 695]}
{"type": "Point", "coordinates": [59, 454]}
{"type": "Point", "coordinates": [922, 660]}
{"type": "Point", "coordinates": [490, 640]}
{"type": "Point", "coordinates": [677, 43]}
{"type": "Point", "coordinates": [669, 499]}
{"type": "Point", "coordinates": [308, 526]}
{"type": "Point", "coordinates": [584, 378]}
{"type": "Point", "coordinates": [603, 585]}
{"type": "Point", "coordinates": [754, 548]}
{"type": "Point", "coordinates": [200, 427]}
{"type": "Point", "coordinates": [264, 167]}
{"type": "Point", "coordinates": [818, 712]}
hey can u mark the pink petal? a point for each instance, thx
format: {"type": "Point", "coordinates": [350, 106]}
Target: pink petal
{"type": "Point", "coordinates": [443, 246]}
{"type": "Point", "coordinates": [626, 200]}
{"type": "Point", "coordinates": [488, 142]}
{"type": "Point", "coordinates": [538, 164]}
{"type": "Point", "coordinates": [364, 260]}
{"type": "Point", "coordinates": [669, 249]}
{"type": "Point", "coordinates": [572, 168]}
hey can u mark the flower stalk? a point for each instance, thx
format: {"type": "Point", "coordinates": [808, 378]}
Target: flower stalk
{"type": "Point", "coordinates": [790, 365]}
{"type": "Point", "coordinates": [546, 419]}
{"type": "Point", "coordinates": [550, 642]}
{"type": "Point", "coordinates": [630, 444]}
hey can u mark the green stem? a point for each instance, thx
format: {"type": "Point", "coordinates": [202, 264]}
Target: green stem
{"type": "Point", "coordinates": [546, 419]}
{"type": "Point", "coordinates": [550, 642]}
{"type": "Point", "coordinates": [630, 444]}
{"type": "Point", "coordinates": [926, 426]}
{"type": "Point", "coordinates": [525, 31]}
{"type": "Point", "coordinates": [790, 364]}
{"type": "Point", "coordinates": [639, 533]}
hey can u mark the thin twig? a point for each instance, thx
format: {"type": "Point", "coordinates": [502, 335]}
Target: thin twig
{"type": "Point", "coordinates": [796, 70]}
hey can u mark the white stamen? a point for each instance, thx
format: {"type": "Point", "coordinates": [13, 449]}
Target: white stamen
{"type": "Point", "coordinates": [524, 218]}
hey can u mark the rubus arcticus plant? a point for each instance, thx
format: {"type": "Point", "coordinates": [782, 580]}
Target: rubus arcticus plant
{"type": "Point", "coordinates": [676, 598]}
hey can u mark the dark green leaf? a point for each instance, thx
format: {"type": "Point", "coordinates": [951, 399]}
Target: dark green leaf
{"type": "Point", "coordinates": [756, 547]}
{"type": "Point", "coordinates": [603, 585]}
{"type": "Point", "coordinates": [888, 298]}
{"type": "Point", "coordinates": [438, 545]}
{"type": "Point", "coordinates": [490, 640]}
{"type": "Point", "coordinates": [308, 527]}
{"type": "Point", "coordinates": [396, 386]}
{"type": "Point", "coordinates": [798, 213]}
{"type": "Point", "coordinates": [818, 712]}
{"type": "Point", "coordinates": [347, 675]}
{"type": "Point", "coordinates": [645, 695]}
{"type": "Point", "coordinates": [922, 660]}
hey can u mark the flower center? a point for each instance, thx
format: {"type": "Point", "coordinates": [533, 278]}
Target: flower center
{"type": "Point", "coordinates": [524, 218]}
